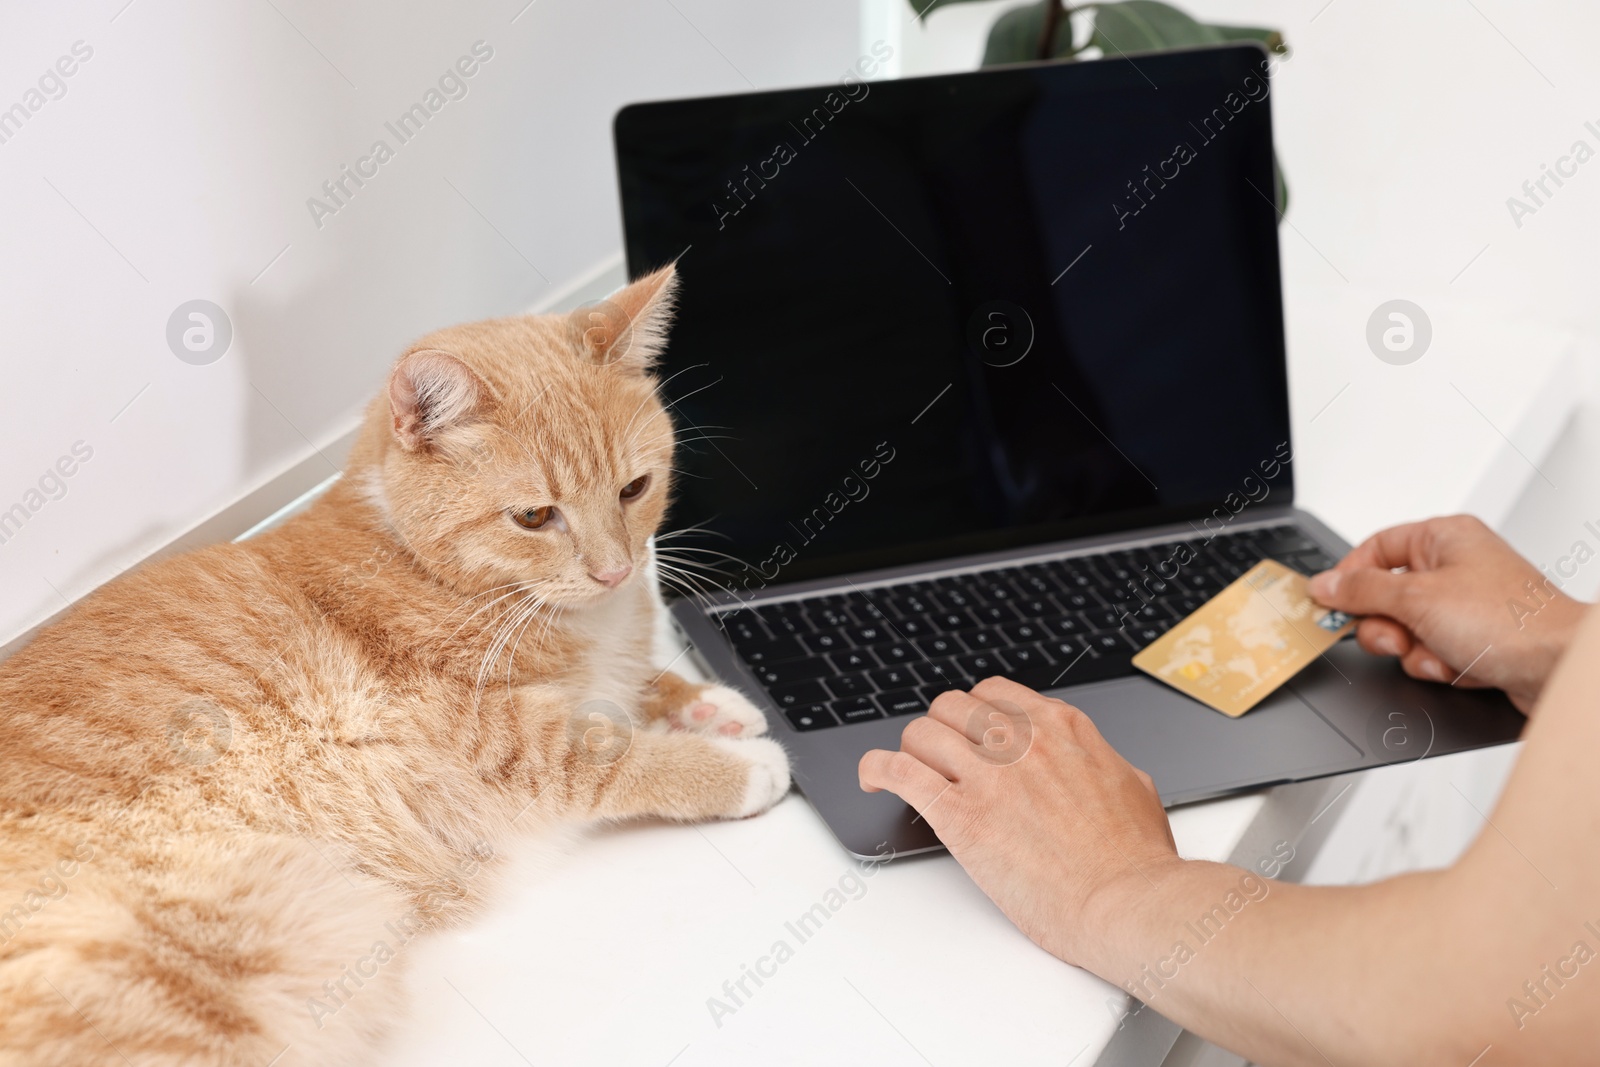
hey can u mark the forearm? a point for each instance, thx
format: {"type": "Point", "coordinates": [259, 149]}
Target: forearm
{"type": "Point", "coordinates": [1426, 968]}
{"type": "Point", "coordinates": [1287, 974]}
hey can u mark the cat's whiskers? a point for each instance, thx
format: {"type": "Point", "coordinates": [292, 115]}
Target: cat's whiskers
{"type": "Point", "coordinates": [525, 608]}
{"type": "Point", "coordinates": [516, 588]}
{"type": "Point", "coordinates": [676, 571]}
{"type": "Point", "coordinates": [521, 629]}
{"type": "Point", "coordinates": [705, 552]}
{"type": "Point", "coordinates": [656, 395]}
{"type": "Point", "coordinates": [674, 433]}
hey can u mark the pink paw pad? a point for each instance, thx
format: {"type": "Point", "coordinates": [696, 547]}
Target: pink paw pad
{"type": "Point", "coordinates": [701, 712]}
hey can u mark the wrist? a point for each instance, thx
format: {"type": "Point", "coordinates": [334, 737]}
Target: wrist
{"type": "Point", "coordinates": [1112, 918]}
{"type": "Point", "coordinates": [1551, 634]}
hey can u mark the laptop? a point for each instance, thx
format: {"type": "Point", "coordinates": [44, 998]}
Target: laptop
{"type": "Point", "coordinates": [964, 367]}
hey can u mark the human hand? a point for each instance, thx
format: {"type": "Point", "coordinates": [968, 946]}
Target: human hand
{"type": "Point", "coordinates": [1465, 602]}
{"type": "Point", "coordinates": [1042, 812]}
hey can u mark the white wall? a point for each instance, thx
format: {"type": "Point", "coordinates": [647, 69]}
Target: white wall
{"type": "Point", "coordinates": [177, 166]}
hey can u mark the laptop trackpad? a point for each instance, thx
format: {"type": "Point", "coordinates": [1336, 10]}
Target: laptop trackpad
{"type": "Point", "coordinates": [1193, 752]}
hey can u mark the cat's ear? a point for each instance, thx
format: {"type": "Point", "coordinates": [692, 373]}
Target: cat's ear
{"type": "Point", "coordinates": [429, 392]}
{"type": "Point", "coordinates": [629, 327]}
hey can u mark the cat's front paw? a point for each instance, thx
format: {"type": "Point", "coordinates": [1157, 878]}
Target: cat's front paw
{"type": "Point", "coordinates": [767, 765]}
{"type": "Point", "coordinates": [721, 712]}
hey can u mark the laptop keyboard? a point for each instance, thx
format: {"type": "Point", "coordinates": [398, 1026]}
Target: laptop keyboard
{"type": "Point", "coordinates": [845, 658]}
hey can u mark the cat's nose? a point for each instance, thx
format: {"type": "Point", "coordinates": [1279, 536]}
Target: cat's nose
{"type": "Point", "coordinates": [612, 578]}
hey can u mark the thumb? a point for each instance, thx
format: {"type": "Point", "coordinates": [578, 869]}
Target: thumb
{"type": "Point", "coordinates": [1362, 591]}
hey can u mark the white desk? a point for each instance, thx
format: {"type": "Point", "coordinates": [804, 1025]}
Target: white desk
{"type": "Point", "coordinates": [608, 953]}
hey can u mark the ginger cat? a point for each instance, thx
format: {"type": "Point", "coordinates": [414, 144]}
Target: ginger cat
{"type": "Point", "coordinates": [236, 782]}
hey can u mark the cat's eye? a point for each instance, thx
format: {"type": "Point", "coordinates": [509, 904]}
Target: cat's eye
{"type": "Point", "coordinates": [635, 487]}
{"type": "Point", "coordinates": [533, 518]}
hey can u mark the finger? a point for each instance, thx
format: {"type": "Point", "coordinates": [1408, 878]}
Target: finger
{"type": "Point", "coordinates": [939, 746]}
{"type": "Point", "coordinates": [1471, 677]}
{"type": "Point", "coordinates": [1387, 549]}
{"type": "Point", "coordinates": [963, 713]}
{"type": "Point", "coordinates": [903, 775]}
{"type": "Point", "coordinates": [999, 688]}
{"type": "Point", "coordinates": [1420, 663]}
{"type": "Point", "coordinates": [1365, 591]}
{"type": "Point", "coordinates": [1383, 637]}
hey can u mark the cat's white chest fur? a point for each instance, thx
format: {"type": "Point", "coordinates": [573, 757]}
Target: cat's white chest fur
{"type": "Point", "coordinates": [617, 666]}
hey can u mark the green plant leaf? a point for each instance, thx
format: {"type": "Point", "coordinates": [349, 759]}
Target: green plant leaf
{"type": "Point", "coordinates": [1014, 37]}
{"type": "Point", "coordinates": [1273, 39]}
{"type": "Point", "coordinates": [1147, 26]}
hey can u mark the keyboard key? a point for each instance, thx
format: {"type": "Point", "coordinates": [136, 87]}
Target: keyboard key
{"type": "Point", "coordinates": [982, 664]}
{"type": "Point", "coordinates": [951, 598]}
{"type": "Point", "coordinates": [870, 634]}
{"type": "Point", "coordinates": [772, 651]}
{"type": "Point", "coordinates": [910, 627]}
{"type": "Point", "coordinates": [1154, 585]}
{"type": "Point", "coordinates": [784, 616]}
{"type": "Point", "coordinates": [909, 604]}
{"type": "Point", "coordinates": [1026, 657]}
{"type": "Point", "coordinates": [891, 678]}
{"type": "Point", "coordinates": [1109, 642]}
{"type": "Point", "coordinates": [1035, 607]}
{"type": "Point", "coordinates": [1034, 580]}
{"type": "Point", "coordinates": [861, 607]}
{"type": "Point", "coordinates": [991, 589]}
{"type": "Point", "coordinates": [1142, 635]}
{"type": "Point", "coordinates": [1089, 668]}
{"type": "Point", "coordinates": [1307, 562]}
{"type": "Point", "coordinates": [902, 702]}
{"type": "Point", "coordinates": [991, 614]}
{"type": "Point", "coordinates": [945, 674]}
{"type": "Point", "coordinates": [856, 709]}
{"type": "Point", "coordinates": [1079, 600]}
{"type": "Point", "coordinates": [1154, 612]}
{"type": "Point", "coordinates": [1103, 618]}
{"type": "Point", "coordinates": [789, 624]}
{"type": "Point", "coordinates": [950, 621]}
{"type": "Point", "coordinates": [1237, 551]}
{"type": "Point", "coordinates": [825, 642]}
{"type": "Point", "coordinates": [981, 639]}
{"type": "Point", "coordinates": [743, 629]}
{"type": "Point", "coordinates": [1023, 633]}
{"type": "Point", "coordinates": [935, 647]}
{"type": "Point", "coordinates": [854, 659]}
{"type": "Point", "coordinates": [1077, 576]}
{"type": "Point", "coordinates": [1285, 544]}
{"type": "Point", "coordinates": [1064, 649]}
{"type": "Point", "coordinates": [811, 717]}
{"type": "Point", "coordinates": [1061, 625]}
{"type": "Point", "coordinates": [798, 695]}
{"type": "Point", "coordinates": [790, 671]}
{"type": "Point", "coordinates": [896, 653]}
{"type": "Point", "coordinates": [849, 685]}
{"type": "Point", "coordinates": [827, 618]}
{"type": "Point", "coordinates": [1116, 566]}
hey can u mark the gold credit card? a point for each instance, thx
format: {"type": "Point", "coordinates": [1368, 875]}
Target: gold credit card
{"type": "Point", "coordinates": [1237, 648]}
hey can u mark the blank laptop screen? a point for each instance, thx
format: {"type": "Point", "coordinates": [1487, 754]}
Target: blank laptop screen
{"type": "Point", "coordinates": [942, 315]}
